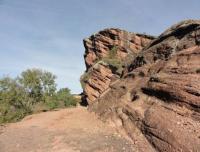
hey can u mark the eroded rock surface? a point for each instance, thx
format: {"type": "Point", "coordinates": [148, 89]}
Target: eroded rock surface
{"type": "Point", "coordinates": [157, 99]}
{"type": "Point", "coordinates": [106, 54]}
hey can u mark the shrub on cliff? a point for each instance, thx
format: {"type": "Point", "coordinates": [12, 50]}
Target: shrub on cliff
{"type": "Point", "coordinates": [113, 60]}
{"type": "Point", "coordinates": [113, 52]}
{"type": "Point", "coordinates": [84, 78]}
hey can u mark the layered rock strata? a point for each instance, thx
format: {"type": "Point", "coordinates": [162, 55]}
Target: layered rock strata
{"type": "Point", "coordinates": [156, 101]}
{"type": "Point", "coordinates": [106, 54]}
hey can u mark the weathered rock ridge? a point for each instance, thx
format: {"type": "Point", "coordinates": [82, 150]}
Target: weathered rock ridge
{"type": "Point", "coordinates": [106, 54]}
{"type": "Point", "coordinates": [156, 101]}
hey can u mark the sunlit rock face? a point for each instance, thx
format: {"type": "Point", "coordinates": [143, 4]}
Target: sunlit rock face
{"type": "Point", "coordinates": [106, 54]}
{"type": "Point", "coordinates": [156, 101]}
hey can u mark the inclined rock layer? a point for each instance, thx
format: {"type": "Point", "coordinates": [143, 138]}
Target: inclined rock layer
{"type": "Point", "coordinates": [106, 54]}
{"type": "Point", "coordinates": [157, 100]}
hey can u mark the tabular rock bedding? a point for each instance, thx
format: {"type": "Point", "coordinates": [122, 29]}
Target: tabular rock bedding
{"type": "Point", "coordinates": [106, 54]}
{"type": "Point", "coordinates": [157, 98]}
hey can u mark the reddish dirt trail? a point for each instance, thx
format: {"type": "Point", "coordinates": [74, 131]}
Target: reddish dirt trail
{"type": "Point", "coordinates": [66, 130]}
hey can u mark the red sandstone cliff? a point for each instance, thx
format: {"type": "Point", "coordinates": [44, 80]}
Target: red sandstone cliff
{"type": "Point", "coordinates": [156, 101]}
{"type": "Point", "coordinates": [106, 54]}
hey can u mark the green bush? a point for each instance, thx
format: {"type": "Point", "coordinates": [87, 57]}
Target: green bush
{"type": "Point", "coordinates": [113, 52]}
{"type": "Point", "coordinates": [52, 104]}
{"type": "Point", "coordinates": [9, 113]}
{"type": "Point", "coordinates": [64, 96]}
{"type": "Point", "coordinates": [14, 101]}
{"type": "Point", "coordinates": [113, 60]}
{"type": "Point", "coordinates": [116, 63]}
{"type": "Point", "coordinates": [33, 91]}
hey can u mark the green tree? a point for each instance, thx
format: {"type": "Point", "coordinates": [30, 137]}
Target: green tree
{"type": "Point", "coordinates": [38, 83]}
{"type": "Point", "coordinates": [64, 95]}
{"type": "Point", "coordinates": [13, 100]}
{"type": "Point", "coordinates": [48, 83]}
{"type": "Point", "coordinates": [33, 91]}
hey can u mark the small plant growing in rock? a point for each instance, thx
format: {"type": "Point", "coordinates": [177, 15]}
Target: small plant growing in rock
{"type": "Point", "coordinates": [113, 52]}
{"type": "Point", "coordinates": [84, 78]}
{"type": "Point", "coordinates": [113, 60]}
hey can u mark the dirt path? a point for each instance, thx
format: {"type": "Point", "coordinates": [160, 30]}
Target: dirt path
{"type": "Point", "coordinates": [67, 130]}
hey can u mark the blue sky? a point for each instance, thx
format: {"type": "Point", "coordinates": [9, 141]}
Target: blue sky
{"type": "Point", "coordinates": [48, 34]}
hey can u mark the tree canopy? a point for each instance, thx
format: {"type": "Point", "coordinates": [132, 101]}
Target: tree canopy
{"type": "Point", "coordinates": [32, 91]}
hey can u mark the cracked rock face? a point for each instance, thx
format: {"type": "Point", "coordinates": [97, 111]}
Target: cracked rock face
{"type": "Point", "coordinates": [157, 99]}
{"type": "Point", "coordinates": [106, 54]}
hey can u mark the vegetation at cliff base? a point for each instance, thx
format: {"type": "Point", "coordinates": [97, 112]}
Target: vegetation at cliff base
{"type": "Point", "coordinates": [34, 90]}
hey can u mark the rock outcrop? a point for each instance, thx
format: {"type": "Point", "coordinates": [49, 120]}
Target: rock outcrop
{"type": "Point", "coordinates": [156, 101]}
{"type": "Point", "coordinates": [106, 54]}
